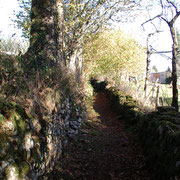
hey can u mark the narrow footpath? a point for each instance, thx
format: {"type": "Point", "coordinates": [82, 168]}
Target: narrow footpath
{"type": "Point", "coordinates": [104, 150]}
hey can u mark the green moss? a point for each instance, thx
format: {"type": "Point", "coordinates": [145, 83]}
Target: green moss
{"type": "Point", "coordinates": [160, 138]}
{"type": "Point", "coordinates": [131, 104]}
{"type": "Point", "coordinates": [3, 145]}
{"type": "Point", "coordinates": [1, 118]}
{"type": "Point", "coordinates": [159, 134]}
{"type": "Point", "coordinates": [171, 116]}
{"type": "Point", "coordinates": [15, 113]}
{"type": "Point", "coordinates": [20, 110]}
{"type": "Point", "coordinates": [35, 155]}
{"type": "Point", "coordinates": [129, 98]}
{"type": "Point", "coordinates": [173, 139]}
{"type": "Point", "coordinates": [20, 122]}
{"type": "Point", "coordinates": [23, 169]}
{"type": "Point", "coordinates": [13, 125]}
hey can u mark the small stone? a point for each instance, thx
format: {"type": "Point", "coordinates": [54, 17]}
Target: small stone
{"type": "Point", "coordinates": [4, 164]}
{"type": "Point", "coordinates": [12, 172]}
{"type": "Point", "coordinates": [28, 141]}
{"type": "Point", "coordinates": [7, 126]}
{"type": "Point", "coordinates": [160, 130]}
{"type": "Point", "coordinates": [36, 125]}
{"type": "Point", "coordinates": [79, 120]}
{"type": "Point", "coordinates": [178, 164]}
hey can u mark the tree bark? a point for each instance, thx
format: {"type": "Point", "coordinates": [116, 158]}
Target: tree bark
{"type": "Point", "coordinates": [174, 57]}
{"type": "Point", "coordinates": [46, 27]}
{"type": "Point", "coordinates": [174, 67]}
{"type": "Point", "coordinates": [147, 66]}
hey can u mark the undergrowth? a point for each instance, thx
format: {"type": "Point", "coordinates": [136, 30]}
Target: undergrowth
{"type": "Point", "coordinates": [44, 88]}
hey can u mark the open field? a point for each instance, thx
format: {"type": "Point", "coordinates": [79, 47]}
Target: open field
{"type": "Point", "coordinates": [137, 92]}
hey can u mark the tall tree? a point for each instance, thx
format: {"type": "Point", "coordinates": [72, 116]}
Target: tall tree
{"type": "Point", "coordinates": [45, 36]}
{"type": "Point", "coordinates": [170, 22]}
{"type": "Point", "coordinates": [81, 18]}
{"type": "Point", "coordinates": [113, 54]}
{"type": "Point", "coordinates": [170, 11]}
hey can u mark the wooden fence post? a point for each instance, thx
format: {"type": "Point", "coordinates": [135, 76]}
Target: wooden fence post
{"type": "Point", "coordinates": [157, 97]}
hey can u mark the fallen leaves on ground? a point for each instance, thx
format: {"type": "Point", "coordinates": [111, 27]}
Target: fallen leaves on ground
{"type": "Point", "coordinates": [103, 150]}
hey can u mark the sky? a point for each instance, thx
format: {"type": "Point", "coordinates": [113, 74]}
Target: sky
{"type": "Point", "coordinates": [161, 42]}
{"type": "Point", "coordinates": [7, 8]}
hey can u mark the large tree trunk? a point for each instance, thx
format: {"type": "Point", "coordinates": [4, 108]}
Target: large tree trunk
{"type": "Point", "coordinates": [174, 67]}
{"type": "Point", "coordinates": [174, 56]}
{"type": "Point", "coordinates": [46, 31]}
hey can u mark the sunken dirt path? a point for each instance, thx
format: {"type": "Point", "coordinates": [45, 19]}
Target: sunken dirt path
{"type": "Point", "coordinates": [104, 150]}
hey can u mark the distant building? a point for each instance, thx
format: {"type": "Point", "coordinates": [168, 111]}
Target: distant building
{"type": "Point", "coordinates": [161, 76]}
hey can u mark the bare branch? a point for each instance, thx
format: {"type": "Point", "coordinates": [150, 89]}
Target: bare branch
{"type": "Point", "coordinates": [174, 6]}
{"type": "Point", "coordinates": [165, 20]}
{"type": "Point", "coordinates": [151, 19]}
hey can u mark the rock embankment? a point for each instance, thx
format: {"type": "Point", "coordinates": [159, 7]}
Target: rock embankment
{"type": "Point", "coordinates": [30, 147]}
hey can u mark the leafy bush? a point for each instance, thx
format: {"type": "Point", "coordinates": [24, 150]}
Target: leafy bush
{"type": "Point", "coordinates": [11, 78]}
{"type": "Point", "coordinates": [45, 88]}
{"type": "Point", "coordinates": [168, 80]}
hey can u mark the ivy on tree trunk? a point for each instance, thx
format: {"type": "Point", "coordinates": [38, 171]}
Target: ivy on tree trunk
{"type": "Point", "coordinates": [45, 34]}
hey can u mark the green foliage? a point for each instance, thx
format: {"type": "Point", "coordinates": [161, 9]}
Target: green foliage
{"type": "Point", "coordinates": [81, 17]}
{"type": "Point", "coordinates": [168, 80]}
{"type": "Point", "coordinates": [77, 20]}
{"type": "Point", "coordinates": [124, 105]}
{"type": "Point", "coordinates": [23, 20]}
{"type": "Point", "coordinates": [11, 75]}
{"type": "Point", "coordinates": [154, 68]}
{"type": "Point", "coordinates": [112, 54]}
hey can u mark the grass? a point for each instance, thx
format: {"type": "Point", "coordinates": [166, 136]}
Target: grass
{"type": "Point", "coordinates": [165, 94]}
{"type": "Point", "coordinates": [13, 46]}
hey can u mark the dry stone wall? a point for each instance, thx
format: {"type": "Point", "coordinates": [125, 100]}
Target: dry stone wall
{"type": "Point", "coordinates": [30, 147]}
{"type": "Point", "coordinates": [158, 132]}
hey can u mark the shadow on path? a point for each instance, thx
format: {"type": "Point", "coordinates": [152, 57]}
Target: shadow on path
{"type": "Point", "coordinates": [104, 150]}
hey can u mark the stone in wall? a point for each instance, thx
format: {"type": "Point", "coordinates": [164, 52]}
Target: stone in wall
{"type": "Point", "coordinates": [30, 147]}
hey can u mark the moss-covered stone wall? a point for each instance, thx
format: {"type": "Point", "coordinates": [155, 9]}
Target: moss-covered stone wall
{"type": "Point", "coordinates": [30, 147]}
{"type": "Point", "coordinates": [159, 134]}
